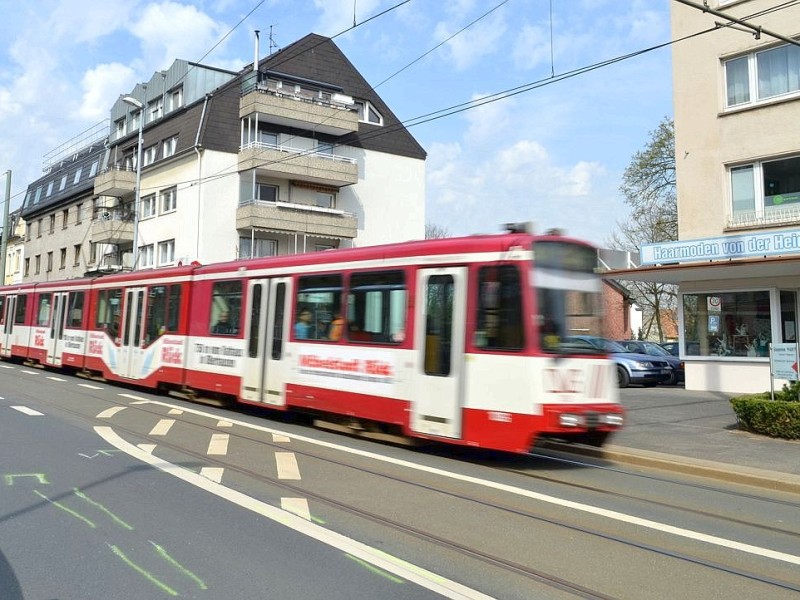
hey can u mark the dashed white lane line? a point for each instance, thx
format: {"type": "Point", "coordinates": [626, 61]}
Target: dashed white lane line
{"type": "Point", "coordinates": [110, 412]}
{"type": "Point", "coordinates": [30, 372]}
{"type": "Point", "coordinates": [427, 579]}
{"type": "Point", "coordinates": [175, 411]}
{"type": "Point", "coordinates": [90, 386]}
{"type": "Point", "coordinates": [277, 437]}
{"type": "Point", "coordinates": [28, 411]}
{"type": "Point", "coordinates": [287, 465]}
{"type": "Point", "coordinates": [132, 397]}
{"type": "Point", "coordinates": [6, 366]}
{"type": "Point", "coordinates": [224, 424]}
{"type": "Point", "coordinates": [212, 473]}
{"type": "Point", "coordinates": [162, 427]}
{"type": "Point", "coordinates": [298, 506]}
{"type": "Point", "coordinates": [56, 379]}
{"type": "Point", "coordinates": [218, 446]}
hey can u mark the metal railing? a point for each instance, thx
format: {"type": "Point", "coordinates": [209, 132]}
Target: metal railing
{"type": "Point", "coordinates": [750, 219]}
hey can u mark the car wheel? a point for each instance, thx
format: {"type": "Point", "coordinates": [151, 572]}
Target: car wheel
{"type": "Point", "coordinates": [673, 379]}
{"type": "Point", "coordinates": [623, 379]}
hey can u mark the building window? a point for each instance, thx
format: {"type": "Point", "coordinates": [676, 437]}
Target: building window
{"type": "Point", "coordinates": [64, 218]}
{"type": "Point", "coordinates": [176, 98]}
{"type": "Point", "coordinates": [39, 228]}
{"type": "Point", "coordinates": [76, 257]}
{"type": "Point", "coordinates": [169, 199]}
{"type": "Point", "coordinates": [52, 223]}
{"type": "Point", "coordinates": [28, 227]}
{"type": "Point", "coordinates": [63, 256]}
{"type": "Point", "coordinates": [146, 256]}
{"type": "Point", "coordinates": [256, 248]}
{"type": "Point", "coordinates": [49, 261]}
{"type": "Point", "coordinates": [324, 200]}
{"type": "Point", "coordinates": [166, 252]}
{"type": "Point", "coordinates": [38, 264]}
{"type": "Point", "coordinates": [148, 208]}
{"type": "Point", "coordinates": [77, 177]}
{"type": "Point", "coordinates": [119, 128]}
{"type": "Point", "coordinates": [135, 120]}
{"type": "Point", "coordinates": [368, 114]}
{"type": "Point", "coordinates": [727, 324]}
{"type": "Point", "coordinates": [79, 213]}
{"type": "Point", "coordinates": [27, 267]}
{"type": "Point", "coordinates": [764, 75]}
{"type": "Point", "coordinates": [155, 109]}
{"type": "Point", "coordinates": [766, 191]}
{"type": "Point", "coordinates": [93, 170]}
{"type": "Point", "coordinates": [49, 189]}
{"type": "Point", "coordinates": [149, 156]}
{"type": "Point", "coordinates": [266, 193]}
{"type": "Point", "coordinates": [169, 146]}
{"type": "Point", "coordinates": [63, 183]}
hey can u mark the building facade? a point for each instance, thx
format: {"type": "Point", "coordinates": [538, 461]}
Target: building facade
{"type": "Point", "coordinates": [737, 261]}
{"type": "Point", "coordinates": [295, 153]}
{"type": "Point", "coordinates": [15, 249]}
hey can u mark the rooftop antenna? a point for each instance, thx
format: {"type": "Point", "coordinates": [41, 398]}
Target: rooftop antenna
{"type": "Point", "coordinates": [354, 13]}
{"type": "Point", "coordinates": [272, 43]}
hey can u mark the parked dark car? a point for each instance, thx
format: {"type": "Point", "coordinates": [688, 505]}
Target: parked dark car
{"type": "Point", "coordinates": [673, 348]}
{"type": "Point", "coordinates": [653, 349]}
{"type": "Point", "coordinates": [631, 367]}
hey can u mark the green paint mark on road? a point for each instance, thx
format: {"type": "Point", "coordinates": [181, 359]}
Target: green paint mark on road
{"type": "Point", "coordinates": [159, 584]}
{"type": "Point", "coordinates": [102, 508]}
{"type": "Point", "coordinates": [317, 520]}
{"type": "Point", "coordinates": [69, 511]}
{"type": "Point", "coordinates": [40, 476]}
{"type": "Point", "coordinates": [375, 569]}
{"type": "Point", "coordinates": [163, 554]}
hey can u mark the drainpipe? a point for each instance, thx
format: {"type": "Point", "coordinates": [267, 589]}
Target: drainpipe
{"type": "Point", "coordinates": [199, 177]}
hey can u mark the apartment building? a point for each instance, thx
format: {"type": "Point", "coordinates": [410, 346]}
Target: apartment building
{"type": "Point", "coordinates": [15, 248]}
{"type": "Point", "coordinates": [294, 153]}
{"type": "Point", "coordinates": [737, 261]}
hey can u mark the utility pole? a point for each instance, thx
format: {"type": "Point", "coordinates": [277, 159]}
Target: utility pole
{"type": "Point", "coordinates": [4, 244]}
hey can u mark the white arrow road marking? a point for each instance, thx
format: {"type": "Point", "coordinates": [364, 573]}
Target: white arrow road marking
{"type": "Point", "coordinates": [378, 558]}
{"type": "Point", "coordinates": [110, 412]}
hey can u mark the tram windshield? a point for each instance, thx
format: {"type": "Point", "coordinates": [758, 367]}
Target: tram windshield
{"type": "Point", "coordinates": [569, 294]}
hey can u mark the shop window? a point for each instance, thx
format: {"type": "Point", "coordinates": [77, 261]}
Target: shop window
{"type": "Point", "coordinates": [727, 324]}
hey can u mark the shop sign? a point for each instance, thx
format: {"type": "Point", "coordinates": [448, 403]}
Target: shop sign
{"type": "Point", "coordinates": [776, 243]}
{"type": "Point", "coordinates": [783, 361]}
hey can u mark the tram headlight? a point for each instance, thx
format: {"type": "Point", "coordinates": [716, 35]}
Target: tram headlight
{"type": "Point", "coordinates": [613, 419]}
{"type": "Point", "coordinates": [570, 420]}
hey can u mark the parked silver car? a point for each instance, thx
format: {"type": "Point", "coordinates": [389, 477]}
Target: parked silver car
{"type": "Point", "coordinates": [631, 367]}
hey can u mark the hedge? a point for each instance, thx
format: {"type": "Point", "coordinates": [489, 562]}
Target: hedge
{"type": "Point", "coordinates": [779, 418]}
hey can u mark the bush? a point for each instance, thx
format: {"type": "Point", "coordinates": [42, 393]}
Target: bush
{"type": "Point", "coordinates": [778, 418]}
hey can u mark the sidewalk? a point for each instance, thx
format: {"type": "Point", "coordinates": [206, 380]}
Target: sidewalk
{"type": "Point", "coordinates": [696, 432]}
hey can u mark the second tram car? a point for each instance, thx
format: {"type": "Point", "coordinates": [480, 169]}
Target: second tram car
{"type": "Point", "coordinates": [457, 340]}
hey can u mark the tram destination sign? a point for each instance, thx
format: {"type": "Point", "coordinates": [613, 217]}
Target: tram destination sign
{"type": "Point", "coordinates": [776, 243]}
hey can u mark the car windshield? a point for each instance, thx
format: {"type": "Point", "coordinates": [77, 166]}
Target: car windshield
{"type": "Point", "coordinates": [656, 350]}
{"type": "Point", "coordinates": [613, 347]}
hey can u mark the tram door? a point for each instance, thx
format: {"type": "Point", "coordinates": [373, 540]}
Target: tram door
{"type": "Point", "coordinates": [130, 354]}
{"type": "Point", "coordinates": [439, 339]}
{"type": "Point", "coordinates": [6, 337]}
{"type": "Point", "coordinates": [55, 339]}
{"type": "Point", "coordinates": [264, 370]}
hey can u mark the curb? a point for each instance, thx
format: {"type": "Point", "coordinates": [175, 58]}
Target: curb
{"type": "Point", "coordinates": [762, 478]}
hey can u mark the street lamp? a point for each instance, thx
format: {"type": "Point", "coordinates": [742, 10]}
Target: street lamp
{"type": "Point", "coordinates": [137, 104]}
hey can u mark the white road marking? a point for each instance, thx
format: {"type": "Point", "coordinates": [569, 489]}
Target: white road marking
{"type": "Point", "coordinates": [212, 473]}
{"type": "Point", "coordinates": [90, 386]}
{"type": "Point", "coordinates": [132, 397]}
{"type": "Point", "coordinates": [298, 506]}
{"type": "Point", "coordinates": [276, 437]}
{"type": "Point", "coordinates": [374, 556]}
{"type": "Point", "coordinates": [141, 402]}
{"type": "Point", "coordinates": [28, 411]}
{"type": "Point", "coordinates": [287, 465]}
{"type": "Point", "coordinates": [218, 445]}
{"type": "Point", "coordinates": [56, 379]}
{"type": "Point", "coordinates": [175, 411]}
{"type": "Point", "coordinates": [30, 372]}
{"type": "Point", "coordinates": [224, 424]}
{"type": "Point", "coordinates": [610, 514]}
{"type": "Point", "coordinates": [110, 412]}
{"type": "Point", "coordinates": [6, 366]}
{"type": "Point", "coordinates": [147, 447]}
{"type": "Point", "coordinates": [162, 427]}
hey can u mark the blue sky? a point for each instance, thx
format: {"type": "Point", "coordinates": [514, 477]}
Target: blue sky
{"type": "Point", "coordinates": [553, 155]}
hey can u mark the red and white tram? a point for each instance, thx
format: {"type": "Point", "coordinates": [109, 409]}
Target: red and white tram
{"type": "Point", "coordinates": [457, 340]}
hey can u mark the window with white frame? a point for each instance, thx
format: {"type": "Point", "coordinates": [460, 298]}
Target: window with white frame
{"type": "Point", "coordinates": [169, 198]}
{"type": "Point", "coordinates": [149, 155]}
{"type": "Point", "coordinates": [77, 177]}
{"type": "Point", "coordinates": [766, 190]}
{"type": "Point", "coordinates": [762, 76]}
{"type": "Point", "coordinates": [257, 247]}
{"type": "Point", "coordinates": [166, 252]}
{"type": "Point", "coordinates": [175, 98]}
{"type": "Point", "coordinates": [49, 188]}
{"type": "Point", "coordinates": [63, 183]}
{"type": "Point", "coordinates": [368, 114]}
{"type": "Point", "coordinates": [119, 128]}
{"type": "Point", "coordinates": [155, 109]}
{"type": "Point", "coordinates": [148, 206]}
{"type": "Point", "coordinates": [324, 200]}
{"type": "Point", "coordinates": [266, 192]}
{"type": "Point", "coordinates": [135, 120]}
{"type": "Point", "coordinates": [146, 256]}
{"type": "Point", "coordinates": [93, 170]}
{"type": "Point", "coordinates": [168, 146]}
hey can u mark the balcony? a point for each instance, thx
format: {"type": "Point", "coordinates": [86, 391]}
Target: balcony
{"type": "Point", "coordinates": [296, 218]}
{"type": "Point", "coordinates": [331, 114]}
{"type": "Point", "coordinates": [112, 227]}
{"type": "Point", "coordinates": [772, 217]}
{"type": "Point", "coordinates": [115, 181]}
{"type": "Point", "coordinates": [287, 162]}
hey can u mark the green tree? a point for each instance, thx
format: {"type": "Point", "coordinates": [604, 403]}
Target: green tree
{"type": "Point", "coordinates": [648, 187]}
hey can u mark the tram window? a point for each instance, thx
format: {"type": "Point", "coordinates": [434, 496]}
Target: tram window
{"type": "Point", "coordinates": [2, 310]}
{"type": "Point", "coordinates": [75, 317]}
{"type": "Point", "coordinates": [19, 312]}
{"type": "Point", "coordinates": [319, 302]}
{"type": "Point", "coordinates": [173, 308]}
{"type": "Point", "coordinates": [226, 307]}
{"type": "Point", "coordinates": [280, 316]}
{"type": "Point", "coordinates": [499, 323]}
{"type": "Point", "coordinates": [255, 321]}
{"type": "Point", "coordinates": [439, 324]}
{"type": "Point", "coordinates": [376, 307]}
{"type": "Point", "coordinates": [156, 323]}
{"type": "Point", "coordinates": [43, 311]}
{"type": "Point", "coordinates": [109, 311]}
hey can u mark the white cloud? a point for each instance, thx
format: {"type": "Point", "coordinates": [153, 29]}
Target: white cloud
{"type": "Point", "coordinates": [489, 121]}
{"type": "Point", "coordinates": [531, 47]}
{"type": "Point", "coordinates": [484, 38]}
{"type": "Point", "coordinates": [101, 86]}
{"type": "Point", "coordinates": [337, 15]}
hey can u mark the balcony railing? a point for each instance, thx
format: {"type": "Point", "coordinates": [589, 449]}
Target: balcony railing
{"type": "Point", "coordinates": [309, 165]}
{"type": "Point", "coordinates": [296, 218]}
{"type": "Point", "coordinates": [772, 217]}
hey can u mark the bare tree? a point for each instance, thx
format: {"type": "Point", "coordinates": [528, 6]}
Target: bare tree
{"type": "Point", "coordinates": [433, 231]}
{"type": "Point", "coordinates": [648, 186]}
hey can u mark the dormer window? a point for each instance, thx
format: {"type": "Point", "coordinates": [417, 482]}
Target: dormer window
{"type": "Point", "coordinates": [368, 114]}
